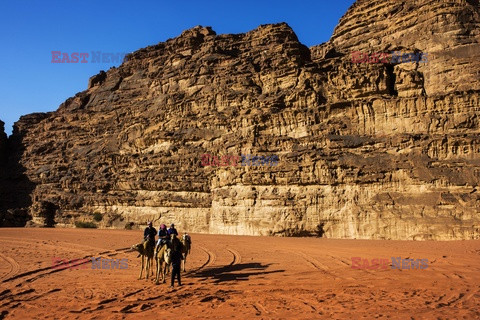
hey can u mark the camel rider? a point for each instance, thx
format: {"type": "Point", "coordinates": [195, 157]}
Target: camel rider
{"type": "Point", "coordinates": [172, 230]}
{"type": "Point", "coordinates": [150, 233]}
{"type": "Point", "coordinates": [162, 238]}
{"type": "Point", "coordinates": [162, 235]}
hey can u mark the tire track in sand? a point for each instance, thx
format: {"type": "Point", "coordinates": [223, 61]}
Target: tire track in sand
{"type": "Point", "coordinates": [38, 273]}
{"type": "Point", "coordinates": [74, 263]}
{"type": "Point", "coordinates": [211, 257]}
{"type": "Point", "coordinates": [317, 265]}
{"type": "Point", "coordinates": [14, 267]}
{"type": "Point", "coordinates": [237, 258]}
{"type": "Point", "coordinates": [15, 299]}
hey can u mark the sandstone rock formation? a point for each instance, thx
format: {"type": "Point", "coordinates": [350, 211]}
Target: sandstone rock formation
{"type": "Point", "coordinates": [372, 151]}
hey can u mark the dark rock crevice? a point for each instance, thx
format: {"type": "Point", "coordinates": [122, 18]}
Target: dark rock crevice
{"type": "Point", "coordinates": [390, 79]}
{"type": "Point", "coordinates": [16, 187]}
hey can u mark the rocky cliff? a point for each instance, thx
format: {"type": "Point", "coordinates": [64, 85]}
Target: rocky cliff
{"type": "Point", "coordinates": [373, 151]}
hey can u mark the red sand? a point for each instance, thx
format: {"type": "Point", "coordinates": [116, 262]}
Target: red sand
{"type": "Point", "coordinates": [237, 277]}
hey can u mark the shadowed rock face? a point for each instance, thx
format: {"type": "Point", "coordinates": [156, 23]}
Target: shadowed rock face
{"type": "Point", "coordinates": [3, 144]}
{"type": "Point", "coordinates": [15, 187]}
{"type": "Point", "coordinates": [3, 159]}
{"type": "Point", "coordinates": [365, 150]}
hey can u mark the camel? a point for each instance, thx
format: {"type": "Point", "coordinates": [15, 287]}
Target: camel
{"type": "Point", "coordinates": [146, 251]}
{"type": "Point", "coordinates": [163, 260]}
{"type": "Point", "coordinates": [186, 246]}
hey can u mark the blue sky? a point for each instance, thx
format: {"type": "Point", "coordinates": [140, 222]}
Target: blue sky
{"type": "Point", "coordinates": [31, 30]}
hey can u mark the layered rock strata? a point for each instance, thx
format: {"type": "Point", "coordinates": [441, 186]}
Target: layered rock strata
{"type": "Point", "coordinates": [371, 151]}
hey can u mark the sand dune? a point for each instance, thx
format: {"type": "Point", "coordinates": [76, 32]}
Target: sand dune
{"type": "Point", "coordinates": [237, 277]}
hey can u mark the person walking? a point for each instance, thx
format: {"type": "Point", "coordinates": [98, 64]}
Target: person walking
{"type": "Point", "coordinates": [176, 260]}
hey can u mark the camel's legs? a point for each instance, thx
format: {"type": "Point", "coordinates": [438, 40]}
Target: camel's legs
{"type": "Point", "coordinates": [151, 265]}
{"type": "Point", "coordinates": [141, 270]}
{"type": "Point", "coordinates": [148, 268]}
{"type": "Point", "coordinates": [157, 271]}
{"type": "Point", "coordinates": [162, 271]}
{"type": "Point", "coordinates": [165, 269]}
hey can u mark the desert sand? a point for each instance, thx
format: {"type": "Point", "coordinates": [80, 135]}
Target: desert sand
{"type": "Point", "coordinates": [237, 277]}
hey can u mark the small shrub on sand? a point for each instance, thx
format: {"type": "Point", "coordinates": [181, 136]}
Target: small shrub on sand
{"type": "Point", "coordinates": [80, 224]}
{"type": "Point", "coordinates": [97, 216]}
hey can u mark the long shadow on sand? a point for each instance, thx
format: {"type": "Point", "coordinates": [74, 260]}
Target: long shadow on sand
{"type": "Point", "coordinates": [235, 272]}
